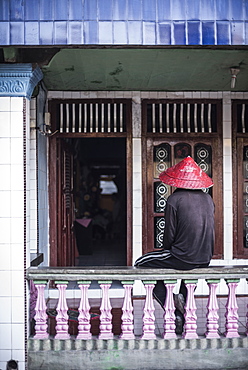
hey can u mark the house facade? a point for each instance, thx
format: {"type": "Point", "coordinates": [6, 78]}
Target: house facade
{"type": "Point", "coordinates": [96, 99]}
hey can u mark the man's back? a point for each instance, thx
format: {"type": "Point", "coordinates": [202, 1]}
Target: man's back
{"type": "Point", "coordinates": [189, 226]}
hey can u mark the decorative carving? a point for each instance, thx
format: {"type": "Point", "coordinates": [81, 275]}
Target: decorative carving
{"type": "Point", "coordinates": [159, 231]}
{"type": "Point", "coordinates": [18, 80]}
{"type": "Point", "coordinates": [12, 86]}
{"type": "Point", "coordinates": [161, 192]}
{"type": "Point", "coordinates": [161, 156]}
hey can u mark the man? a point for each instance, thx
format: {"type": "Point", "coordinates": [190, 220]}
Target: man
{"type": "Point", "coordinates": [189, 229]}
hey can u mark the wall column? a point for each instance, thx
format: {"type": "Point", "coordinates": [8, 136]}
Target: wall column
{"type": "Point", "coordinates": [16, 86]}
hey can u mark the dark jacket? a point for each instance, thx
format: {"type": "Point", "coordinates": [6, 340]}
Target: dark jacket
{"type": "Point", "coordinates": [189, 226]}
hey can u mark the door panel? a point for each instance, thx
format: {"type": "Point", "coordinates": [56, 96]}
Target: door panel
{"type": "Point", "coordinates": [62, 206]}
{"type": "Point", "coordinates": [240, 178]}
{"type": "Point", "coordinates": [172, 130]}
{"type": "Point", "coordinates": [162, 154]}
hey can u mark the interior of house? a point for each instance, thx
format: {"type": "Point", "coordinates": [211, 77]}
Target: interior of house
{"type": "Point", "coordinates": [99, 170]}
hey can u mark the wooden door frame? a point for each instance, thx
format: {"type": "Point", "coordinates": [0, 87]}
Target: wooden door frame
{"type": "Point", "coordinates": [239, 140]}
{"type": "Point", "coordinates": [148, 140]}
{"type": "Point", "coordinates": [53, 176]}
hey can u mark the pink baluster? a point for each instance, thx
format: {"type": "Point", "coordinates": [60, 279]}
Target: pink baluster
{"type": "Point", "coordinates": [232, 310]}
{"type": "Point", "coordinates": [169, 314]}
{"type": "Point", "coordinates": [127, 312]}
{"type": "Point", "coordinates": [149, 317]}
{"type": "Point", "coordinates": [62, 316]}
{"type": "Point", "coordinates": [84, 312]}
{"type": "Point", "coordinates": [33, 298]}
{"type": "Point", "coordinates": [212, 307]}
{"type": "Point", "coordinates": [190, 325]}
{"type": "Point", "coordinates": [106, 316]}
{"type": "Point", "coordinates": [40, 309]}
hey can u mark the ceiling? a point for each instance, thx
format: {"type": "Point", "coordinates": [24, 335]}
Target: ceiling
{"type": "Point", "coordinates": [146, 69]}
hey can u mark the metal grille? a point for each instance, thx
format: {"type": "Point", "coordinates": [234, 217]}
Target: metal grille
{"type": "Point", "coordinates": [203, 157]}
{"type": "Point", "coordinates": [159, 224]}
{"type": "Point", "coordinates": [161, 193]}
{"type": "Point", "coordinates": [181, 117]}
{"type": "Point", "coordinates": [242, 118]}
{"type": "Point", "coordinates": [91, 117]}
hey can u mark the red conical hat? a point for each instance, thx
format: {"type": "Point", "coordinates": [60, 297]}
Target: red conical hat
{"type": "Point", "coordinates": [186, 174]}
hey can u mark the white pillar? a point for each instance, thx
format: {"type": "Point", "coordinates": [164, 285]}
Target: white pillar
{"type": "Point", "coordinates": [227, 177]}
{"type": "Point", "coordinates": [17, 83]}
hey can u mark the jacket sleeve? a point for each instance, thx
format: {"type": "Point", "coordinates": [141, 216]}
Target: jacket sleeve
{"type": "Point", "coordinates": [170, 226]}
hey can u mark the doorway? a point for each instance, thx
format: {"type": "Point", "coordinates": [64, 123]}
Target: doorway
{"type": "Point", "coordinates": [100, 226]}
{"type": "Point", "coordinates": [89, 181]}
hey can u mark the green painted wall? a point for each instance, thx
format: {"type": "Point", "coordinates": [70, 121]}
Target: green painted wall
{"type": "Point", "coordinates": [174, 69]}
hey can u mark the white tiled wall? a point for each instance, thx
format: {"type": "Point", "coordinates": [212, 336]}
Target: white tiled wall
{"type": "Point", "coordinates": [12, 229]}
{"type": "Point", "coordinates": [33, 178]}
{"type": "Point", "coordinates": [137, 199]}
{"type": "Point", "coordinates": [227, 175]}
{"type": "Point", "coordinates": [39, 222]}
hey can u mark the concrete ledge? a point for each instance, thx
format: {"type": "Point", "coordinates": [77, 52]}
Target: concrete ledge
{"type": "Point", "coordinates": [138, 354]}
{"type": "Point", "coordinates": [132, 273]}
{"type": "Point", "coordinates": [135, 344]}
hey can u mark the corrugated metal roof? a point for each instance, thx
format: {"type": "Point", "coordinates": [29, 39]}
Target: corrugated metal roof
{"type": "Point", "coordinates": [124, 22]}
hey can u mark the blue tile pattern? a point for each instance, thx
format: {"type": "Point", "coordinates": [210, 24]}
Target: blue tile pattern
{"type": "Point", "coordinates": [107, 22]}
{"type": "Point", "coordinates": [208, 33]}
{"type": "Point", "coordinates": [179, 33]}
{"type": "Point", "coordinates": [194, 33]}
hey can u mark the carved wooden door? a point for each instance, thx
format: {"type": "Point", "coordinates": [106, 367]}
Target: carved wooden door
{"type": "Point", "coordinates": [171, 132]}
{"type": "Point", "coordinates": [63, 245]}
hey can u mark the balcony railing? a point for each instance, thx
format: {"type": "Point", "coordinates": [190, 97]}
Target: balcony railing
{"type": "Point", "coordinates": [41, 277]}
